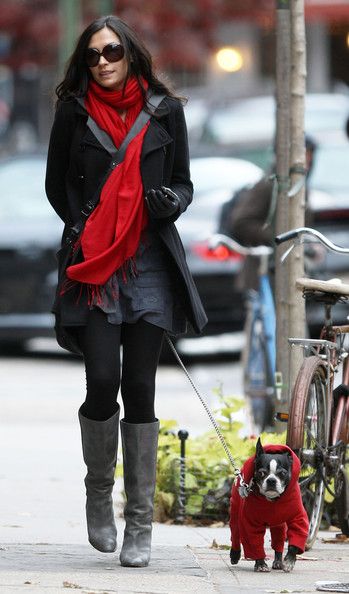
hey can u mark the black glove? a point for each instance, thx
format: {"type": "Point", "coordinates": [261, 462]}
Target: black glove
{"type": "Point", "coordinates": [161, 203]}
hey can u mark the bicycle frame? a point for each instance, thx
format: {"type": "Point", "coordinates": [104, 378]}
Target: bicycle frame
{"type": "Point", "coordinates": [314, 346]}
{"type": "Point", "coordinates": [318, 421]}
{"type": "Point", "coordinates": [269, 320]}
{"type": "Point", "coordinates": [260, 351]}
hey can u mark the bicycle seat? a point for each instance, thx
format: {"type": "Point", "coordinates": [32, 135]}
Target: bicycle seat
{"type": "Point", "coordinates": [333, 288]}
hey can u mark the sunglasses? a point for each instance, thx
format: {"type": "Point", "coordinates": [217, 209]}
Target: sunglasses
{"type": "Point", "coordinates": [113, 52]}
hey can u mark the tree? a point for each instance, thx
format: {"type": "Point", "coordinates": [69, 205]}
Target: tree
{"type": "Point", "coordinates": [297, 174]}
{"type": "Point", "coordinates": [283, 62]}
{"type": "Point", "coordinates": [290, 145]}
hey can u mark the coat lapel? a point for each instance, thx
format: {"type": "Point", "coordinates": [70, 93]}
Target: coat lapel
{"type": "Point", "coordinates": [155, 138]}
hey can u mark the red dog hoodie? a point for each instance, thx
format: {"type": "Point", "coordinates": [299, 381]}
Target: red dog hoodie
{"type": "Point", "coordinates": [251, 516]}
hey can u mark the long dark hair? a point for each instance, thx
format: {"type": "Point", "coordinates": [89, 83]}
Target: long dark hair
{"type": "Point", "coordinates": [139, 61]}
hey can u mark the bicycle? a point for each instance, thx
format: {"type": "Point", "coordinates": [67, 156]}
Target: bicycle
{"type": "Point", "coordinates": [318, 419]}
{"type": "Point", "coordinates": [259, 351]}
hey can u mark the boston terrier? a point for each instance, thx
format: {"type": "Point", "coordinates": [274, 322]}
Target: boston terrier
{"type": "Point", "coordinates": [274, 501]}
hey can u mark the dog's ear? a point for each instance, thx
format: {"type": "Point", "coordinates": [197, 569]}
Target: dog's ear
{"type": "Point", "coordinates": [259, 448]}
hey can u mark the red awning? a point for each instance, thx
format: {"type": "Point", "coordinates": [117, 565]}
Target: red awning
{"type": "Point", "coordinates": [262, 10]}
{"type": "Point", "coordinates": [333, 10]}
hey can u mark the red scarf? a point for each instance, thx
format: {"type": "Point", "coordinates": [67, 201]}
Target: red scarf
{"type": "Point", "coordinates": [112, 232]}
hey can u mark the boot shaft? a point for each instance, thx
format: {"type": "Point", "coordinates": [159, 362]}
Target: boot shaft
{"type": "Point", "coordinates": [99, 445]}
{"type": "Point", "coordinates": [139, 446]}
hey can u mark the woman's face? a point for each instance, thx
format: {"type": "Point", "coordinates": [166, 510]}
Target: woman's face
{"type": "Point", "coordinates": [110, 75]}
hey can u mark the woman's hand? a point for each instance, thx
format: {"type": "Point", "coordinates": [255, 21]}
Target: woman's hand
{"type": "Point", "coordinates": [161, 203]}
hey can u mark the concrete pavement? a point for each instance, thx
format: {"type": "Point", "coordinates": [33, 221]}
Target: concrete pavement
{"type": "Point", "coordinates": [43, 546]}
{"type": "Point", "coordinates": [183, 561]}
{"type": "Point", "coordinates": [44, 550]}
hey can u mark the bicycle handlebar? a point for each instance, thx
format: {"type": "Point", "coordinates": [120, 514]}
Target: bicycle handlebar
{"type": "Point", "coordinates": [298, 233]}
{"type": "Point", "coordinates": [220, 239]}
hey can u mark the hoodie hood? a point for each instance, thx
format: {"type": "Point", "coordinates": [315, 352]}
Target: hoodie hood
{"type": "Point", "coordinates": [285, 515]}
{"type": "Point", "coordinates": [248, 467]}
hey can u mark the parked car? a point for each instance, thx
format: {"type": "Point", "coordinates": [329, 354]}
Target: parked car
{"type": "Point", "coordinates": [215, 181]}
{"type": "Point", "coordinates": [29, 235]}
{"type": "Point", "coordinates": [245, 128]}
{"type": "Point", "coordinates": [329, 200]}
{"type": "Point", "coordinates": [215, 272]}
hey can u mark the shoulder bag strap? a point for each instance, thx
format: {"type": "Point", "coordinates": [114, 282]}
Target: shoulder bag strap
{"type": "Point", "coordinates": [116, 154]}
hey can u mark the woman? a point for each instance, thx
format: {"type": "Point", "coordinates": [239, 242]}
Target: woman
{"type": "Point", "coordinates": [129, 282]}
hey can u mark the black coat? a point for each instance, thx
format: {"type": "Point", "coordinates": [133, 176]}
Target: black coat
{"type": "Point", "coordinates": [77, 163]}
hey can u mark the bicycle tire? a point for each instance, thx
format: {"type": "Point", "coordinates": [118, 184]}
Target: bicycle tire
{"type": "Point", "coordinates": [257, 383]}
{"type": "Point", "coordinates": [341, 421]}
{"type": "Point", "coordinates": [306, 436]}
{"type": "Point", "coordinates": [257, 376]}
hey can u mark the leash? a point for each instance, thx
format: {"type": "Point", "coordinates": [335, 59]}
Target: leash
{"type": "Point", "coordinates": [244, 488]}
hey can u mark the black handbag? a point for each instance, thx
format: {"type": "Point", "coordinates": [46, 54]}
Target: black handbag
{"type": "Point", "coordinates": [66, 336]}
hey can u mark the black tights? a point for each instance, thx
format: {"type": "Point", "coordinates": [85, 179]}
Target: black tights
{"type": "Point", "coordinates": [100, 343]}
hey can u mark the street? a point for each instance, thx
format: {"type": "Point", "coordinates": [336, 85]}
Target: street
{"type": "Point", "coordinates": [48, 387]}
{"type": "Point", "coordinates": [42, 507]}
{"type": "Point", "coordinates": [41, 476]}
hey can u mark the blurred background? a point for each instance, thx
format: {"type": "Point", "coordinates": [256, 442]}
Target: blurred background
{"type": "Point", "coordinates": [215, 50]}
{"type": "Point", "coordinates": [221, 55]}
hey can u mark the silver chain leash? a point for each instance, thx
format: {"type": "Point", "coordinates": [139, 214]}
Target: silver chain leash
{"type": "Point", "coordinates": [244, 488]}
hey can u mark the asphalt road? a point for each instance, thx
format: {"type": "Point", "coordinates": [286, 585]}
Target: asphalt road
{"type": "Point", "coordinates": [41, 468]}
{"type": "Point", "coordinates": [46, 386]}
{"type": "Point", "coordinates": [43, 545]}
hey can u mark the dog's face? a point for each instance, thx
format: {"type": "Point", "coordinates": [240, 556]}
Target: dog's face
{"type": "Point", "coordinates": [272, 472]}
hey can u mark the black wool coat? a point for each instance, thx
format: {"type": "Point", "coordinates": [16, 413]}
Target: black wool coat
{"type": "Point", "coordinates": [77, 163]}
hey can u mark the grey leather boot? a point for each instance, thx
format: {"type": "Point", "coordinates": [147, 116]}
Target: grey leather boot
{"type": "Point", "coordinates": [139, 446]}
{"type": "Point", "coordinates": [99, 446]}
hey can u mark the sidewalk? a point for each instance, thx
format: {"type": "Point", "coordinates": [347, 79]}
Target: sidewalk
{"type": "Point", "coordinates": [43, 535]}
{"type": "Point", "coordinates": [188, 564]}
{"type": "Point", "coordinates": [43, 546]}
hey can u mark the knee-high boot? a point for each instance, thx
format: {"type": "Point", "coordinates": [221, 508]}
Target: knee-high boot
{"type": "Point", "coordinates": [99, 446]}
{"type": "Point", "coordinates": [139, 445]}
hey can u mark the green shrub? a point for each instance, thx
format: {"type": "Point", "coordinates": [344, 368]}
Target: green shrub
{"type": "Point", "coordinates": [209, 474]}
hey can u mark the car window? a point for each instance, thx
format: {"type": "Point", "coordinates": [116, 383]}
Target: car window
{"type": "Point", "coordinates": [241, 122]}
{"type": "Point", "coordinates": [22, 196]}
{"type": "Point", "coordinates": [214, 173]}
{"type": "Point", "coordinates": [330, 171]}
{"type": "Point", "coordinates": [254, 119]}
{"type": "Point", "coordinates": [215, 181]}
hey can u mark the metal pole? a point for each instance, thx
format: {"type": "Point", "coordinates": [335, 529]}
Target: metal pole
{"type": "Point", "coordinates": [106, 7]}
{"type": "Point", "coordinates": [183, 435]}
{"type": "Point", "coordinates": [69, 17]}
{"type": "Point", "coordinates": [283, 62]}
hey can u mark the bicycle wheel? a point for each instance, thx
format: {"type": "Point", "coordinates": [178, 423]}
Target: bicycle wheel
{"type": "Point", "coordinates": [306, 435]}
{"type": "Point", "coordinates": [257, 377]}
{"type": "Point", "coordinates": [341, 425]}
{"type": "Point", "coordinates": [258, 381]}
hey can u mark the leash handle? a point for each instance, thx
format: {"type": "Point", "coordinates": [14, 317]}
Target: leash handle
{"type": "Point", "coordinates": [245, 488]}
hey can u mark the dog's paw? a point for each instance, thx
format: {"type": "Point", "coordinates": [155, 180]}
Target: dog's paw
{"type": "Point", "coordinates": [290, 559]}
{"type": "Point", "coordinates": [235, 556]}
{"type": "Point", "coordinates": [277, 563]}
{"type": "Point", "coordinates": [260, 565]}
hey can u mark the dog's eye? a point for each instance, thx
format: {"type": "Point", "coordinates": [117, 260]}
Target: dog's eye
{"type": "Point", "coordinates": [282, 472]}
{"type": "Point", "coordinates": [262, 472]}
